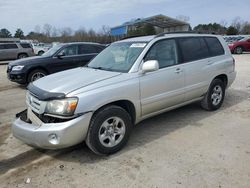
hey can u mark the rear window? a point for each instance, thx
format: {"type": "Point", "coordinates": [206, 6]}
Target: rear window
{"type": "Point", "coordinates": [25, 45]}
{"type": "Point", "coordinates": [10, 46]}
{"type": "Point", "coordinates": [193, 48]}
{"type": "Point", "coordinates": [214, 46]}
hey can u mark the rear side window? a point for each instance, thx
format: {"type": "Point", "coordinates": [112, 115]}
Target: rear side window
{"type": "Point", "coordinates": [214, 46]}
{"type": "Point", "coordinates": [193, 48]}
{"type": "Point", "coordinates": [86, 49]}
{"type": "Point", "coordinates": [10, 46]}
{"type": "Point", "coordinates": [25, 45]}
{"type": "Point", "coordinates": [1, 46]}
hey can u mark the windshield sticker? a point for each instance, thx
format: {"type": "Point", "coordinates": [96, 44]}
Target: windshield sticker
{"type": "Point", "coordinates": [138, 45]}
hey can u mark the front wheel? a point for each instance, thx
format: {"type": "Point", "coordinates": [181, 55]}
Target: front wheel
{"type": "Point", "coordinates": [109, 130]}
{"type": "Point", "coordinates": [35, 75]}
{"type": "Point", "coordinates": [215, 96]}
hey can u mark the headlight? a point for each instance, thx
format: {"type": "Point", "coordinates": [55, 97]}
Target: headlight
{"type": "Point", "coordinates": [64, 107]}
{"type": "Point", "coordinates": [17, 68]}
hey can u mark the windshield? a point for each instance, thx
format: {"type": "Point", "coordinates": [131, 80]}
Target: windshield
{"type": "Point", "coordinates": [118, 57]}
{"type": "Point", "coordinates": [52, 51]}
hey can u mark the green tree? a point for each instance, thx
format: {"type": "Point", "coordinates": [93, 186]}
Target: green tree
{"type": "Point", "coordinates": [19, 33]}
{"type": "Point", "coordinates": [142, 30]}
{"type": "Point", "coordinates": [211, 28]}
{"type": "Point", "coordinates": [232, 31]}
{"type": "Point", "coordinates": [5, 33]}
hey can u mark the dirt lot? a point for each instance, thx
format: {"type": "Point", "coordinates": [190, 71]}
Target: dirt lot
{"type": "Point", "coordinates": [187, 147]}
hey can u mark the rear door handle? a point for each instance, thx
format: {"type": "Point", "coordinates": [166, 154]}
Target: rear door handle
{"type": "Point", "coordinates": [178, 70]}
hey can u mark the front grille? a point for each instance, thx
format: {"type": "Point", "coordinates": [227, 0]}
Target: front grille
{"type": "Point", "coordinates": [35, 104]}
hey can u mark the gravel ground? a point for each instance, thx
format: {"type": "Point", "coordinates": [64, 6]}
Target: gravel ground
{"type": "Point", "coordinates": [187, 147]}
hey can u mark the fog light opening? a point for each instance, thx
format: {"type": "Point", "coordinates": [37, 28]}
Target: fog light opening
{"type": "Point", "coordinates": [54, 139]}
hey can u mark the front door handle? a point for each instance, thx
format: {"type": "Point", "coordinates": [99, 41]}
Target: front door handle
{"type": "Point", "coordinates": [178, 70]}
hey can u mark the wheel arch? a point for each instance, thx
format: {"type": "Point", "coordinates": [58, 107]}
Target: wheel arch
{"type": "Point", "coordinates": [223, 78]}
{"type": "Point", "coordinates": [125, 104]}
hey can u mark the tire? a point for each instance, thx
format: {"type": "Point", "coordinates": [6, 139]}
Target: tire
{"type": "Point", "coordinates": [20, 56]}
{"type": "Point", "coordinates": [215, 96]}
{"type": "Point", "coordinates": [238, 50]}
{"type": "Point", "coordinates": [108, 121]}
{"type": "Point", "coordinates": [36, 74]}
{"type": "Point", "coordinates": [40, 53]}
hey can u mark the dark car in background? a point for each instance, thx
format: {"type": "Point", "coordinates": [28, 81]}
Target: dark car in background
{"type": "Point", "coordinates": [15, 50]}
{"type": "Point", "coordinates": [60, 57]}
{"type": "Point", "coordinates": [238, 47]}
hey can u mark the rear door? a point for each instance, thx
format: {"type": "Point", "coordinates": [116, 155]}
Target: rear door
{"type": "Point", "coordinates": [165, 87]}
{"type": "Point", "coordinates": [197, 65]}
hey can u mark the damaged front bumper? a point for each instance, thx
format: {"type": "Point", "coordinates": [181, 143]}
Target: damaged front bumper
{"type": "Point", "coordinates": [31, 130]}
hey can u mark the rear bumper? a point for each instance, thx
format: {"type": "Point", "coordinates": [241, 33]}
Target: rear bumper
{"type": "Point", "coordinates": [52, 135]}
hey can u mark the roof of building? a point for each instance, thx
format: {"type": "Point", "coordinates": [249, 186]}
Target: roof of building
{"type": "Point", "coordinates": [160, 20]}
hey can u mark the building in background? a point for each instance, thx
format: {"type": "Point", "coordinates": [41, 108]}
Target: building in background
{"type": "Point", "coordinates": [160, 23]}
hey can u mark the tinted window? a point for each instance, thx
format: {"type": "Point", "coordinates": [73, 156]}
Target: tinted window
{"type": "Point", "coordinates": [10, 46]}
{"type": "Point", "coordinates": [193, 48]}
{"type": "Point", "coordinates": [1, 46]}
{"type": "Point", "coordinates": [215, 46]}
{"type": "Point", "coordinates": [69, 51]}
{"type": "Point", "coordinates": [99, 48]}
{"type": "Point", "coordinates": [25, 45]}
{"type": "Point", "coordinates": [165, 52]}
{"type": "Point", "coordinates": [86, 49]}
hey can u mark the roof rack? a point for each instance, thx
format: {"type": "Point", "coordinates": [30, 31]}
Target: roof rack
{"type": "Point", "coordinates": [176, 32]}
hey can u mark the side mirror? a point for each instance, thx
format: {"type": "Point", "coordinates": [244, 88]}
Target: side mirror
{"type": "Point", "coordinates": [150, 66]}
{"type": "Point", "coordinates": [60, 55]}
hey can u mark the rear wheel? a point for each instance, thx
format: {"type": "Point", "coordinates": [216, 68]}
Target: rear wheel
{"type": "Point", "coordinates": [20, 56]}
{"type": "Point", "coordinates": [215, 96]}
{"type": "Point", "coordinates": [36, 74]}
{"type": "Point", "coordinates": [109, 130]}
{"type": "Point", "coordinates": [238, 50]}
{"type": "Point", "coordinates": [40, 53]}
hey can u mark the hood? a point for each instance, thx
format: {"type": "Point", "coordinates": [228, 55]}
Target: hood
{"type": "Point", "coordinates": [73, 79]}
{"type": "Point", "coordinates": [27, 60]}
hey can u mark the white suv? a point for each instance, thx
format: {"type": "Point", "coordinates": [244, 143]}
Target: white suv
{"type": "Point", "coordinates": [129, 81]}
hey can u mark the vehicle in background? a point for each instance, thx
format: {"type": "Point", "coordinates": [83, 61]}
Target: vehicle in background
{"type": "Point", "coordinates": [59, 58]}
{"type": "Point", "coordinates": [238, 47]}
{"type": "Point", "coordinates": [129, 81]}
{"type": "Point", "coordinates": [40, 48]}
{"type": "Point", "coordinates": [14, 50]}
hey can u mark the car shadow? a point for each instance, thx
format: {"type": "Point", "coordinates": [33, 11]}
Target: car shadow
{"type": "Point", "coordinates": [155, 128]}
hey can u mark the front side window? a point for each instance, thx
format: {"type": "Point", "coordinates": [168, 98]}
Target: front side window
{"type": "Point", "coordinates": [193, 48]}
{"type": "Point", "coordinates": [165, 52]}
{"type": "Point", "coordinates": [69, 51]}
{"type": "Point", "coordinates": [118, 57]}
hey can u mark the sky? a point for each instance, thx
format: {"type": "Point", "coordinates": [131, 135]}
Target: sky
{"type": "Point", "coordinates": [26, 14]}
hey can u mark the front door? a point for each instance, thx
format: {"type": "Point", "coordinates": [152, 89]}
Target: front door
{"type": "Point", "coordinates": [165, 87]}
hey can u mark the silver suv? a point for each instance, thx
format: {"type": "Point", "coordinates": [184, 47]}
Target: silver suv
{"type": "Point", "coordinates": [129, 81]}
{"type": "Point", "coordinates": [15, 51]}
